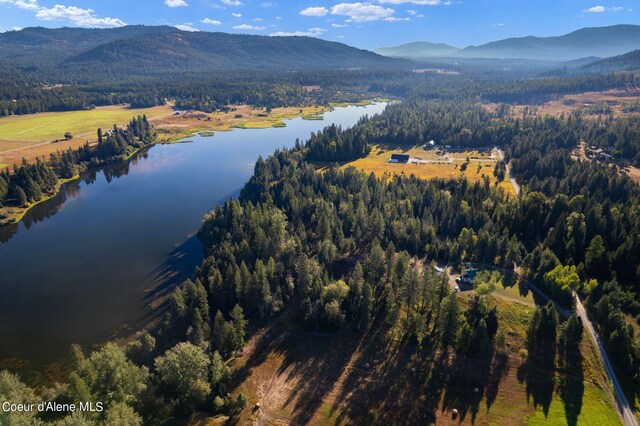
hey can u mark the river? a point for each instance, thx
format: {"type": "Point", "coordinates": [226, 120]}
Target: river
{"type": "Point", "coordinates": [86, 265]}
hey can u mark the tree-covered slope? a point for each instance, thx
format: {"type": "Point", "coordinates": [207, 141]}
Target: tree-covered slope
{"type": "Point", "coordinates": [627, 62]}
{"type": "Point", "coordinates": [418, 49]}
{"type": "Point", "coordinates": [169, 48]}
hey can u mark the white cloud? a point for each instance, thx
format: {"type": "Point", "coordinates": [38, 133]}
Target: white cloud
{"type": "Point", "coordinates": [268, 4]}
{"type": "Point", "coordinates": [231, 2]}
{"type": "Point", "coordinates": [16, 29]}
{"type": "Point", "coordinates": [258, 19]}
{"type": "Point", "coordinates": [187, 27]}
{"type": "Point", "coordinates": [362, 12]}
{"type": "Point", "coordinates": [394, 19]}
{"type": "Point", "coordinates": [22, 4]}
{"type": "Point", "coordinates": [421, 2]}
{"type": "Point", "coordinates": [211, 21]}
{"type": "Point", "coordinates": [314, 11]}
{"type": "Point", "coordinates": [237, 15]}
{"type": "Point", "coordinates": [311, 32]}
{"type": "Point", "coordinates": [176, 3]}
{"type": "Point", "coordinates": [77, 15]}
{"type": "Point", "coordinates": [602, 9]}
{"type": "Point", "coordinates": [596, 9]}
{"type": "Point", "coordinates": [248, 27]}
{"type": "Point", "coordinates": [338, 25]}
{"type": "Point", "coordinates": [279, 18]}
{"type": "Point", "coordinates": [80, 17]}
{"type": "Point", "coordinates": [412, 12]}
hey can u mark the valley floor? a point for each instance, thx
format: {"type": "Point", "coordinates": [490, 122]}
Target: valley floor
{"type": "Point", "coordinates": [39, 135]}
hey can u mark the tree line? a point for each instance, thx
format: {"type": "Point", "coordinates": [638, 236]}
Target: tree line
{"type": "Point", "coordinates": [29, 183]}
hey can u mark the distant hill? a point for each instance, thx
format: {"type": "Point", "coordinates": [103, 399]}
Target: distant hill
{"type": "Point", "coordinates": [418, 49]}
{"type": "Point", "coordinates": [627, 62]}
{"type": "Point", "coordinates": [163, 47]}
{"type": "Point", "coordinates": [37, 43]}
{"type": "Point", "coordinates": [598, 42]}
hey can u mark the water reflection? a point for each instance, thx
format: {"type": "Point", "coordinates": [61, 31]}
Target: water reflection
{"type": "Point", "coordinates": [98, 260]}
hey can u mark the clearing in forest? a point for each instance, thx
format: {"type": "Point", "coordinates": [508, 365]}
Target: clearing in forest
{"type": "Point", "coordinates": [24, 130]}
{"type": "Point", "coordinates": [475, 165]}
{"type": "Point", "coordinates": [293, 376]}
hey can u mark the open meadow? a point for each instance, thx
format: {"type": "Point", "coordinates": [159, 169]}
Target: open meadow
{"type": "Point", "coordinates": [346, 378]}
{"type": "Point", "coordinates": [450, 166]}
{"type": "Point", "coordinates": [34, 136]}
{"type": "Point", "coordinates": [24, 130]}
{"type": "Point", "coordinates": [182, 125]}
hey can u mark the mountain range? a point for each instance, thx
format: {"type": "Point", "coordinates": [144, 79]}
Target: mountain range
{"type": "Point", "coordinates": [135, 50]}
{"type": "Point", "coordinates": [600, 42]}
{"type": "Point", "coordinates": [164, 47]}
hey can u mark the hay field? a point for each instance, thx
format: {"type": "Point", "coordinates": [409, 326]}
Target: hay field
{"type": "Point", "coordinates": [481, 164]}
{"type": "Point", "coordinates": [25, 130]}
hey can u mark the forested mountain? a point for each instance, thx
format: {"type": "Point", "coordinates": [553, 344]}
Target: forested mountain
{"type": "Point", "coordinates": [168, 48]}
{"type": "Point", "coordinates": [627, 62]}
{"type": "Point", "coordinates": [601, 42]}
{"type": "Point", "coordinates": [419, 49]}
{"type": "Point", "coordinates": [40, 45]}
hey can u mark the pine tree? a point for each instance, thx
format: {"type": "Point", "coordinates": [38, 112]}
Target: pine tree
{"type": "Point", "coordinates": [239, 326]}
{"type": "Point", "coordinates": [20, 197]}
{"type": "Point", "coordinates": [366, 306]}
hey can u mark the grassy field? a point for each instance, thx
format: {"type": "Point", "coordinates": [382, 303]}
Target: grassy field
{"type": "Point", "coordinates": [347, 378]}
{"type": "Point", "coordinates": [175, 127]}
{"type": "Point", "coordinates": [448, 167]}
{"type": "Point", "coordinates": [24, 130]}
{"type": "Point", "coordinates": [32, 136]}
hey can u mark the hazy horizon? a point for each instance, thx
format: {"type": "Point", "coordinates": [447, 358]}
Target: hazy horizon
{"type": "Point", "coordinates": [367, 25]}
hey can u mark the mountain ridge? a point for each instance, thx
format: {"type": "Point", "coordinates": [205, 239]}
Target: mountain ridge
{"type": "Point", "coordinates": [418, 49]}
{"type": "Point", "coordinates": [585, 42]}
{"type": "Point", "coordinates": [167, 47]}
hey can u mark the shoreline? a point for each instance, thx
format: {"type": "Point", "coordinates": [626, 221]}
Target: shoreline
{"type": "Point", "coordinates": [21, 212]}
{"type": "Point", "coordinates": [18, 213]}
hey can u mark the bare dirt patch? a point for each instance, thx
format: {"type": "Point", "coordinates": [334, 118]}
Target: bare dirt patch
{"type": "Point", "coordinates": [615, 100]}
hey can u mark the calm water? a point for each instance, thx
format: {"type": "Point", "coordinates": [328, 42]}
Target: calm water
{"type": "Point", "coordinates": [85, 266]}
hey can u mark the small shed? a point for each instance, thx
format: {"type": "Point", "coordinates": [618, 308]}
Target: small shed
{"type": "Point", "coordinates": [400, 158]}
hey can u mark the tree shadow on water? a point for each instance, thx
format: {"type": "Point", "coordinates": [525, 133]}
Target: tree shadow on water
{"type": "Point", "coordinates": [177, 267]}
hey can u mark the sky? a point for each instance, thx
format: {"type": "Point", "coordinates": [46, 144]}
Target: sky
{"type": "Point", "coordinates": [367, 24]}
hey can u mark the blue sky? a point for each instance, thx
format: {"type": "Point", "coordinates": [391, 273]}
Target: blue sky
{"type": "Point", "coordinates": [366, 24]}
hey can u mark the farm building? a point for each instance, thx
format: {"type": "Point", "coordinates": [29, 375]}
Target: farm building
{"type": "Point", "coordinates": [399, 158]}
{"type": "Point", "coordinates": [430, 145]}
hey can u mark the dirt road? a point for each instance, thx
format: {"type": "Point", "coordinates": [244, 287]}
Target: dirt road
{"type": "Point", "coordinates": [516, 187]}
{"type": "Point", "coordinates": [626, 411]}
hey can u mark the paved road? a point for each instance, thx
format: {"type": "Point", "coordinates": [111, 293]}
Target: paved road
{"type": "Point", "coordinates": [625, 409]}
{"type": "Point", "coordinates": [516, 187]}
